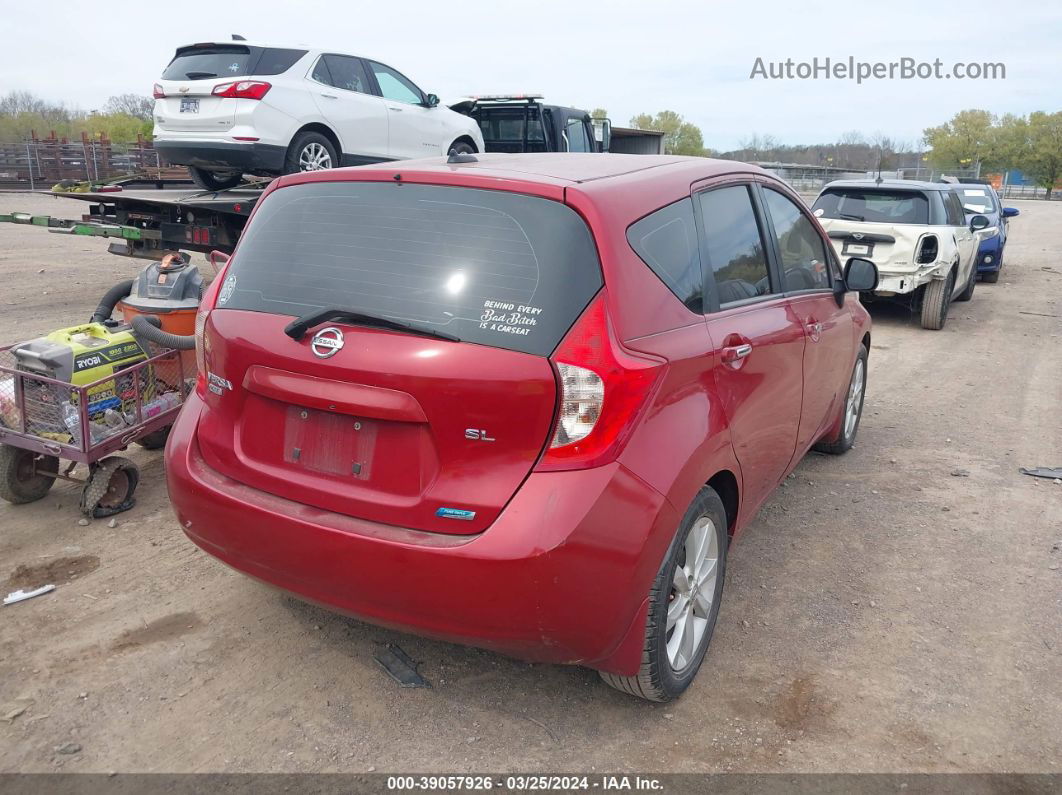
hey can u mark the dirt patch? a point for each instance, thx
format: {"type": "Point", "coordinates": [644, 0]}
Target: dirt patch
{"type": "Point", "coordinates": [159, 630]}
{"type": "Point", "coordinates": [52, 572]}
{"type": "Point", "coordinates": [800, 704]}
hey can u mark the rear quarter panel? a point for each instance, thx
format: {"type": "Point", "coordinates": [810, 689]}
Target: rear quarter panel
{"type": "Point", "coordinates": [683, 438]}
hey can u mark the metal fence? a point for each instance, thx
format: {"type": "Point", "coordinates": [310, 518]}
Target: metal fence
{"type": "Point", "coordinates": [43, 163]}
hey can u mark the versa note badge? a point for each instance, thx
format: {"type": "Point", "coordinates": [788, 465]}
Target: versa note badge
{"type": "Point", "coordinates": [327, 342]}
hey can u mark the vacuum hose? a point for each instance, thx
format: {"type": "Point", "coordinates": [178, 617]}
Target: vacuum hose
{"type": "Point", "coordinates": [148, 327]}
{"type": "Point", "coordinates": [110, 300]}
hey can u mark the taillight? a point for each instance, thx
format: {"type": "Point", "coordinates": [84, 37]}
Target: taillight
{"type": "Point", "coordinates": [157, 92]}
{"type": "Point", "coordinates": [242, 89]}
{"type": "Point", "coordinates": [927, 250]}
{"type": "Point", "coordinates": [602, 389]}
{"type": "Point", "coordinates": [206, 306]}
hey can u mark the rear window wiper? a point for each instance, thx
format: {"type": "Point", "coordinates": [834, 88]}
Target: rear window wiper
{"type": "Point", "coordinates": [298, 327]}
{"type": "Point", "coordinates": [199, 75]}
{"type": "Point", "coordinates": [852, 217]}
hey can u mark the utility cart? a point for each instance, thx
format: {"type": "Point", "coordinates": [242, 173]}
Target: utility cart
{"type": "Point", "coordinates": [45, 419]}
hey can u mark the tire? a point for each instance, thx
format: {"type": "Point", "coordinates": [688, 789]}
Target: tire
{"type": "Point", "coordinates": [25, 475]}
{"type": "Point", "coordinates": [461, 148]}
{"type": "Point", "coordinates": [968, 292]}
{"type": "Point", "coordinates": [110, 487]}
{"type": "Point", "coordinates": [936, 301]}
{"type": "Point", "coordinates": [155, 440]}
{"type": "Point", "coordinates": [665, 675]}
{"type": "Point", "coordinates": [852, 410]}
{"type": "Point", "coordinates": [215, 180]}
{"type": "Point", "coordinates": [310, 151]}
{"type": "Point", "coordinates": [991, 277]}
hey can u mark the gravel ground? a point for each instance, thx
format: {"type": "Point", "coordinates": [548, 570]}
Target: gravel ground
{"type": "Point", "coordinates": [881, 613]}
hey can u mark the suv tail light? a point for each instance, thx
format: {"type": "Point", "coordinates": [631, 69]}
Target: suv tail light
{"type": "Point", "coordinates": [602, 389]}
{"type": "Point", "coordinates": [927, 250]}
{"type": "Point", "coordinates": [206, 305]}
{"type": "Point", "coordinates": [157, 92]}
{"type": "Point", "coordinates": [242, 89]}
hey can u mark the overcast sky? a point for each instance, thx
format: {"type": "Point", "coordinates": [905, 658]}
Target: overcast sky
{"type": "Point", "coordinates": [628, 57]}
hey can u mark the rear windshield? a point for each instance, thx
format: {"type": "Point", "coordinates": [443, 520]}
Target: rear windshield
{"type": "Point", "coordinates": [494, 268]}
{"type": "Point", "coordinates": [229, 60]}
{"type": "Point", "coordinates": [976, 200]}
{"type": "Point", "coordinates": [509, 129]}
{"type": "Point", "coordinates": [873, 205]}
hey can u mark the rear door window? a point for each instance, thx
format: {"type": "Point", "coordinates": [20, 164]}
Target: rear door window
{"type": "Point", "coordinates": [953, 207]}
{"type": "Point", "coordinates": [873, 205]}
{"type": "Point", "coordinates": [495, 268]}
{"type": "Point", "coordinates": [667, 242]}
{"type": "Point", "coordinates": [734, 249]}
{"type": "Point", "coordinates": [342, 71]}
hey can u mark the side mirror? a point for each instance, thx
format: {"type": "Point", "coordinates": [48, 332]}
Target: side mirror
{"type": "Point", "coordinates": [1010, 212]}
{"type": "Point", "coordinates": [603, 134]}
{"type": "Point", "coordinates": [978, 222]}
{"type": "Point", "coordinates": [860, 275]}
{"type": "Point", "coordinates": [431, 100]}
{"type": "Point", "coordinates": [217, 260]}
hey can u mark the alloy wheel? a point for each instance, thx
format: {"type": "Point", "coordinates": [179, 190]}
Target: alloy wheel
{"type": "Point", "coordinates": [855, 399]}
{"type": "Point", "coordinates": [692, 594]}
{"type": "Point", "coordinates": [314, 157]}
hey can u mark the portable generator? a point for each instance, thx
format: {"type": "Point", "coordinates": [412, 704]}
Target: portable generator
{"type": "Point", "coordinates": [79, 355]}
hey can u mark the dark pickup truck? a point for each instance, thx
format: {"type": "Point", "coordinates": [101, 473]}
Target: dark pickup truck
{"type": "Point", "coordinates": [523, 123]}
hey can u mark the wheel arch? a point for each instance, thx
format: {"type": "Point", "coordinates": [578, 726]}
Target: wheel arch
{"type": "Point", "coordinates": [464, 139]}
{"type": "Point", "coordinates": [323, 129]}
{"type": "Point", "coordinates": [725, 484]}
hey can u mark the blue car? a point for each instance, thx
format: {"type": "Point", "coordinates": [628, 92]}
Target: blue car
{"type": "Point", "coordinates": [980, 199]}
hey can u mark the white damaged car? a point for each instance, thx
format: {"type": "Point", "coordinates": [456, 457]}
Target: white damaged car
{"type": "Point", "coordinates": [915, 232]}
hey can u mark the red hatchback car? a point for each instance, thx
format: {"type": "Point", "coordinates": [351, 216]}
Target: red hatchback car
{"type": "Point", "coordinates": [521, 402]}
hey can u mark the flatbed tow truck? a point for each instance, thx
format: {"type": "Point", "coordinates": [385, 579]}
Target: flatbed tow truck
{"type": "Point", "coordinates": [150, 223]}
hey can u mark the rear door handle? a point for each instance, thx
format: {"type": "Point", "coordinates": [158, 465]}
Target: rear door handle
{"type": "Point", "coordinates": [735, 353]}
{"type": "Point", "coordinates": [330, 96]}
{"type": "Point", "coordinates": [392, 107]}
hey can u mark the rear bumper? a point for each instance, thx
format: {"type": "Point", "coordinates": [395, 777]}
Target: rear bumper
{"type": "Point", "coordinates": [561, 576]}
{"type": "Point", "coordinates": [904, 282]}
{"type": "Point", "coordinates": [222, 155]}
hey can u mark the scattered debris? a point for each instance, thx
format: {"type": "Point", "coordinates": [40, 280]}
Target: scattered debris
{"type": "Point", "coordinates": [68, 748]}
{"type": "Point", "coordinates": [15, 708]}
{"type": "Point", "coordinates": [400, 667]}
{"type": "Point", "coordinates": [1042, 472]}
{"type": "Point", "coordinates": [22, 596]}
{"type": "Point", "coordinates": [82, 522]}
{"type": "Point", "coordinates": [112, 524]}
{"type": "Point", "coordinates": [960, 473]}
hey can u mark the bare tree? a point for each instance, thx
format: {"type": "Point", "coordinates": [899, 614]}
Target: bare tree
{"type": "Point", "coordinates": [131, 105]}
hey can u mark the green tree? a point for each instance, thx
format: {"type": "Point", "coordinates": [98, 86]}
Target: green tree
{"type": "Point", "coordinates": [1041, 156]}
{"type": "Point", "coordinates": [969, 140]}
{"type": "Point", "coordinates": [598, 113]}
{"type": "Point", "coordinates": [680, 136]}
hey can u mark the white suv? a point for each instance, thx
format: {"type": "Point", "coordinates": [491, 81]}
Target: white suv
{"type": "Point", "coordinates": [915, 232]}
{"type": "Point", "coordinates": [229, 108]}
